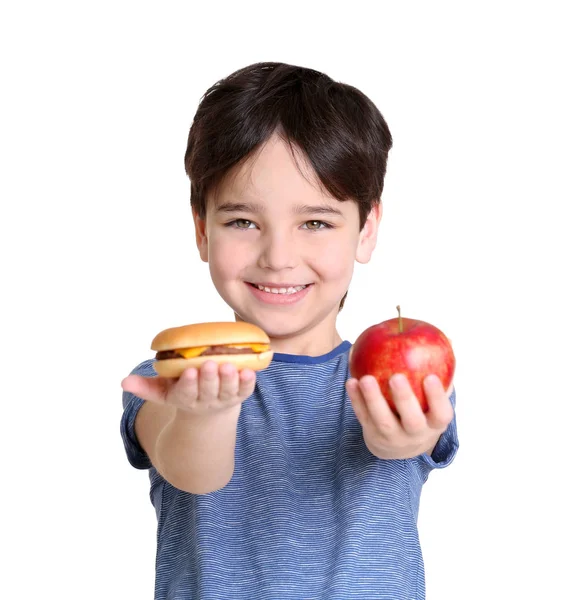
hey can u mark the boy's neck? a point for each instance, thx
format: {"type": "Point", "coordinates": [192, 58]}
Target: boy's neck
{"type": "Point", "coordinates": [307, 347]}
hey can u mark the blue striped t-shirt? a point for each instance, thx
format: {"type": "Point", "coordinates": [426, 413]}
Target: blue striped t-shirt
{"type": "Point", "coordinates": [309, 513]}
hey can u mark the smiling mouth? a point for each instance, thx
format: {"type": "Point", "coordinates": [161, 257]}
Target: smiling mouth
{"type": "Point", "coordinates": [286, 291]}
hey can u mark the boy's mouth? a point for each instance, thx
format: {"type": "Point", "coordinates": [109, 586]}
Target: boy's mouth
{"type": "Point", "coordinates": [283, 289]}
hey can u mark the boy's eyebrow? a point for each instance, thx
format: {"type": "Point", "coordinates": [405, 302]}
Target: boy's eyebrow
{"type": "Point", "coordinates": [318, 209]}
{"type": "Point", "coordinates": [249, 207]}
{"type": "Point", "coordinates": [300, 209]}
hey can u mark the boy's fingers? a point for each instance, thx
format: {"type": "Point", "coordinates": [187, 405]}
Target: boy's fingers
{"type": "Point", "coordinates": [246, 383]}
{"type": "Point", "coordinates": [186, 390]}
{"type": "Point", "coordinates": [209, 380]}
{"type": "Point", "coordinates": [440, 411]}
{"type": "Point", "coordinates": [229, 382]}
{"type": "Point", "coordinates": [153, 389]}
{"type": "Point", "coordinates": [411, 414]}
{"type": "Point", "coordinates": [357, 400]}
{"type": "Point", "coordinates": [380, 412]}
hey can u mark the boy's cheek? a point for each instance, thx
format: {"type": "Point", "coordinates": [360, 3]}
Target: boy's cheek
{"type": "Point", "coordinates": [335, 261]}
{"type": "Point", "coordinates": [228, 261]}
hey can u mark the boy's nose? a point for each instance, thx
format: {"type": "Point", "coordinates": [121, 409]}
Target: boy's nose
{"type": "Point", "coordinates": [278, 252]}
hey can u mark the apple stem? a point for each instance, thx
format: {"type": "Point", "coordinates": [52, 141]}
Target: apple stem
{"type": "Point", "coordinates": [400, 324]}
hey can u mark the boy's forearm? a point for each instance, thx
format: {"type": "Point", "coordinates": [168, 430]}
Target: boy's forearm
{"type": "Point", "coordinates": [196, 454]}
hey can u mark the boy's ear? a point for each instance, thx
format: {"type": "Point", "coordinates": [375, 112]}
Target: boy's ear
{"type": "Point", "coordinates": [369, 234]}
{"type": "Point", "coordinates": [201, 236]}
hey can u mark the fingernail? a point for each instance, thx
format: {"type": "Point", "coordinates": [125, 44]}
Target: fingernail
{"type": "Point", "coordinates": [431, 380]}
{"type": "Point", "coordinates": [398, 381]}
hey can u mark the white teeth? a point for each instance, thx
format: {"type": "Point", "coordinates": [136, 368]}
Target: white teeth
{"type": "Point", "coordinates": [290, 290]}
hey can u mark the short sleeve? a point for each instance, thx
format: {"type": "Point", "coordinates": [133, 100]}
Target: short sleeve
{"type": "Point", "coordinates": [131, 406]}
{"type": "Point", "coordinates": [446, 447]}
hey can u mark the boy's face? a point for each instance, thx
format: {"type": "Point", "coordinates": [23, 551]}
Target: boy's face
{"type": "Point", "coordinates": [268, 225]}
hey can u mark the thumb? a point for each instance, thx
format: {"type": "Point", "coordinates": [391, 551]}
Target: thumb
{"type": "Point", "coordinates": [153, 389]}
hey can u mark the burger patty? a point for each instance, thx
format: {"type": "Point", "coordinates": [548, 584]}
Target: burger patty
{"type": "Point", "coordinates": [226, 350]}
{"type": "Point", "coordinates": [165, 354]}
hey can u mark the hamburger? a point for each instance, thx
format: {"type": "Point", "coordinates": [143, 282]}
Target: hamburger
{"type": "Point", "coordinates": [243, 344]}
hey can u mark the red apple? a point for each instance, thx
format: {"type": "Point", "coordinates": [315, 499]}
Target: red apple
{"type": "Point", "coordinates": [409, 346]}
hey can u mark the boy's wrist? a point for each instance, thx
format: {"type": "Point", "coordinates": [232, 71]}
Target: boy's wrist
{"type": "Point", "coordinates": [186, 417]}
{"type": "Point", "coordinates": [385, 452]}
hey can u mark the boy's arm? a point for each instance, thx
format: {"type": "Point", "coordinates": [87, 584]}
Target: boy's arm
{"type": "Point", "coordinates": [187, 427]}
{"type": "Point", "coordinates": [193, 453]}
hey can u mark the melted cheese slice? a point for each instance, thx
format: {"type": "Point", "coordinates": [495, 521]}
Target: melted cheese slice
{"type": "Point", "coordinates": [192, 352]}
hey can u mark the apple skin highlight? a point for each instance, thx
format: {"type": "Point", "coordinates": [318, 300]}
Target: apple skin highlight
{"type": "Point", "coordinates": [409, 346]}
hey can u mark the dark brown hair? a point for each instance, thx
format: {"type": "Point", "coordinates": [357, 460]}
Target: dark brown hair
{"type": "Point", "coordinates": [336, 127]}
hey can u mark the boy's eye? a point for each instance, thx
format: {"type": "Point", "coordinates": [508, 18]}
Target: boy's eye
{"type": "Point", "coordinates": [241, 224]}
{"type": "Point", "coordinates": [316, 225]}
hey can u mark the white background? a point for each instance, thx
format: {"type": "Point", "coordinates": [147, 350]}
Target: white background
{"type": "Point", "coordinates": [98, 255]}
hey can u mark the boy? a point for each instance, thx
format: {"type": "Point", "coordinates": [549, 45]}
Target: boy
{"type": "Point", "coordinates": [297, 481]}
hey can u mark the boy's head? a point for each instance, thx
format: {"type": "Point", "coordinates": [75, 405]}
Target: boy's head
{"type": "Point", "coordinates": [283, 136]}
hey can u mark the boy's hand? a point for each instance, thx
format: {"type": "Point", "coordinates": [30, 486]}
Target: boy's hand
{"type": "Point", "coordinates": [199, 392]}
{"type": "Point", "coordinates": [410, 433]}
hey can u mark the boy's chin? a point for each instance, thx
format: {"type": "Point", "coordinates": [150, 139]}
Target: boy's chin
{"type": "Point", "coordinates": [290, 326]}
